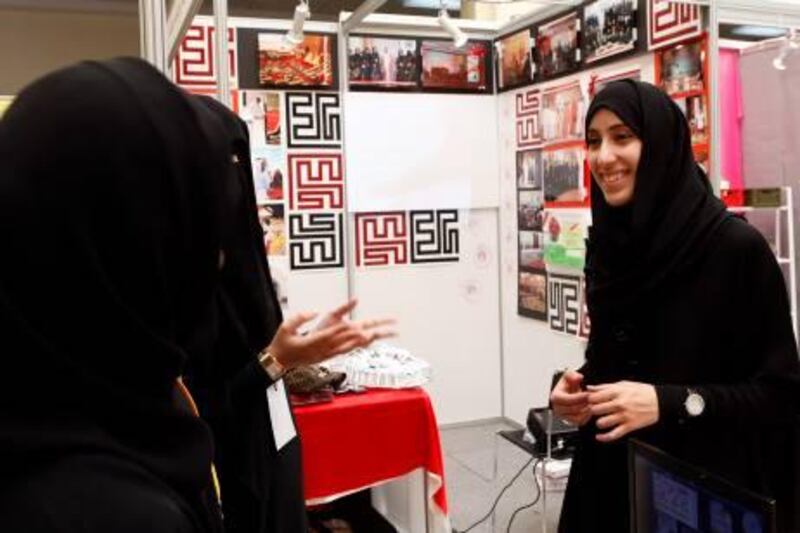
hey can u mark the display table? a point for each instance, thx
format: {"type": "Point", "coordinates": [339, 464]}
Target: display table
{"type": "Point", "coordinates": [359, 441]}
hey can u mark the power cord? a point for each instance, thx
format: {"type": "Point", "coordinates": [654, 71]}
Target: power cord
{"type": "Point", "coordinates": [497, 500]}
{"type": "Point", "coordinates": [535, 500]}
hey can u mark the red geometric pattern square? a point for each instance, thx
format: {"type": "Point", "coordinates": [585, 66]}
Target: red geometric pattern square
{"type": "Point", "coordinates": [670, 22]}
{"type": "Point", "coordinates": [381, 238]}
{"type": "Point", "coordinates": [194, 64]}
{"type": "Point", "coordinates": [316, 181]}
{"type": "Point", "coordinates": [528, 119]}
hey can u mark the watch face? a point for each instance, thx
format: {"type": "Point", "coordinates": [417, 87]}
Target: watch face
{"type": "Point", "coordinates": [694, 404]}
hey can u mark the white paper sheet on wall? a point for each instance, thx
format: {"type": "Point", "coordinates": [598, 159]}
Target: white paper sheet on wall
{"type": "Point", "coordinates": [421, 151]}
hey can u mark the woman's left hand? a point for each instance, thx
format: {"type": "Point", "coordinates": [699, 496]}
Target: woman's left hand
{"type": "Point", "coordinates": [622, 407]}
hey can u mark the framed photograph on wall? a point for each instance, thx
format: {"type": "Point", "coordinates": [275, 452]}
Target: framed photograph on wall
{"type": "Point", "coordinates": [530, 210]}
{"type": "Point", "coordinates": [610, 27]}
{"type": "Point", "coordinates": [532, 292]}
{"type": "Point", "coordinates": [273, 226]}
{"type": "Point", "coordinates": [261, 110]}
{"type": "Point", "coordinates": [565, 233]}
{"type": "Point", "coordinates": [531, 250]}
{"type": "Point", "coordinates": [449, 68]}
{"type": "Point", "coordinates": [563, 112]}
{"type": "Point", "coordinates": [514, 64]}
{"type": "Point", "coordinates": [529, 169]}
{"type": "Point", "coordinates": [269, 169]}
{"type": "Point", "coordinates": [308, 64]}
{"type": "Point", "coordinates": [558, 47]}
{"type": "Point", "coordinates": [564, 176]}
{"type": "Point", "coordinates": [681, 69]}
{"type": "Point", "coordinates": [382, 62]}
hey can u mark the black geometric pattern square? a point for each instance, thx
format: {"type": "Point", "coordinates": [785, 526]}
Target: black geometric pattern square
{"type": "Point", "coordinates": [316, 240]}
{"type": "Point", "coordinates": [434, 236]}
{"type": "Point", "coordinates": [313, 120]}
{"type": "Point", "coordinates": [563, 302]}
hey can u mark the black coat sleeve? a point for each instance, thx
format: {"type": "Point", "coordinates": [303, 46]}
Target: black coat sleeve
{"type": "Point", "coordinates": [766, 350]}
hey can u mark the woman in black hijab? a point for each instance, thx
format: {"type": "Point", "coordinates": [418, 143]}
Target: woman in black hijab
{"type": "Point", "coordinates": [110, 218]}
{"type": "Point", "coordinates": [692, 347]}
{"type": "Point", "coordinates": [262, 490]}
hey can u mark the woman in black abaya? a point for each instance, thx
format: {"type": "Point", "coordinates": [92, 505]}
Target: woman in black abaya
{"type": "Point", "coordinates": [262, 489]}
{"type": "Point", "coordinates": [110, 218]}
{"type": "Point", "coordinates": [691, 347]}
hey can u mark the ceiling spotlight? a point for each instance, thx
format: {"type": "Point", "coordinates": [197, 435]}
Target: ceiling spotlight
{"type": "Point", "coordinates": [295, 34]}
{"type": "Point", "coordinates": [447, 24]}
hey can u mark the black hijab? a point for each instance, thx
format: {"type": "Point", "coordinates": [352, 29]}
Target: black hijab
{"type": "Point", "coordinates": [261, 489]}
{"type": "Point", "coordinates": [110, 216]}
{"type": "Point", "coordinates": [634, 249]}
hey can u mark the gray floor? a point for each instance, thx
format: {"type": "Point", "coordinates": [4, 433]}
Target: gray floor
{"type": "Point", "coordinates": [478, 464]}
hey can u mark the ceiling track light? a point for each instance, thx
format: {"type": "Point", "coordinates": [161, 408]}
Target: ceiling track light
{"type": "Point", "coordinates": [301, 13]}
{"type": "Point", "coordinates": [447, 24]}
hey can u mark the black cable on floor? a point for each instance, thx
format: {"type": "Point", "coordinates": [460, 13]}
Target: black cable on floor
{"type": "Point", "coordinates": [497, 500]}
{"type": "Point", "coordinates": [535, 500]}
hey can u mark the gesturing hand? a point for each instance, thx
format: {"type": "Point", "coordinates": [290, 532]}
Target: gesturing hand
{"type": "Point", "coordinates": [622, 407]}
{"type": "Point", "coordinates": [569, 401]}
{"type": "Point", "coordinates": [334, 335]}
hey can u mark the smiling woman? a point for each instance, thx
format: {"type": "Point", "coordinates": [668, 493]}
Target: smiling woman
{"type": "Point", "coordinates": [613, 153]}
{"type": "Point", "coordinates": [691, 347]}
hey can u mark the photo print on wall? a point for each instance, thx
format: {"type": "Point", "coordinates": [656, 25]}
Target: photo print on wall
{"type": "Point", "coordinates": [530, 210]}
{"type": "Point", "coordinates": [531, 250]}
{"type": "Point", "coordinates": [515, 60]}
{"type": "Point", "coordinates": [680, 69]}
{"type": "Point", "coordinates": [446, 67]}
{"type": "Point", "coordinates": [529, 169]}
{"type": "Point", "coordinates": [382, 62]}
{"type": "Point", "coordinates": [609, 28]}
{"type": "Point", "coordinates": [269, 171]}
{"type": "Point", "coordinates": [563, 112]}
{"type": "Point", "coordinates": [308, 64]}
{"type": "Point", "coordinates": [532, 291]}
{"type": "Point", "coordinates": [261, 111]}
{"type": "Point", "coordinates": [558, 47]}
{"type": "Point", "coordinates": [565, 233]}
{"type": "Point", "coordinates": [273, 226]}
{"type": "Point", "coordinates": [563, 175]}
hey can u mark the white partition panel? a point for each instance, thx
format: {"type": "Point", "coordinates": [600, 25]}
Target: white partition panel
{"type": "Point", "coordinates": [448, 314]}
{"type": "Point", "coordinates": [420, 151]}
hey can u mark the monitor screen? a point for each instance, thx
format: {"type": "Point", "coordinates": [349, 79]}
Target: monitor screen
{"type": "Point", "coordinates": [671, 496]}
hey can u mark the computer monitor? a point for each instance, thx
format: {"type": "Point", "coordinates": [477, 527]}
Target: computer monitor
{"type": "Point", "coordinates": [670, 496]}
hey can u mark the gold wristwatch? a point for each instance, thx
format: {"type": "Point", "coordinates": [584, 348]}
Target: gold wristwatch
{"type": "Point", "coordinates": [271, 366]}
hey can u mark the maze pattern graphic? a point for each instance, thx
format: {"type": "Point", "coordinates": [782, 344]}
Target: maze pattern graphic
{"type": "Point", "coordinates": [316, 240]}
{"type": "Point", "coordinates": [586, 323]}
{"type": "Point", "coordinates": [670, 22]}
{"type": "Point", "coordinates": [314, 120]}
{"type": "Point", "coordinates": [528, 118]}
{"type": "Point", "coordinates": [434, 236]}
{"type": "Point", "coordinates": [381, 238]}
{"type": "Point", "coordinates": [563, 302]}
{"type": "Point", "coordinates": [316, 181]}
{"type": "Point", "coordinates": [194, 64]}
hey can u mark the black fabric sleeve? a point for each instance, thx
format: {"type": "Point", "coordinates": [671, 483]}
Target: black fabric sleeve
{"type": "Point", "coordinates": [765, 347]}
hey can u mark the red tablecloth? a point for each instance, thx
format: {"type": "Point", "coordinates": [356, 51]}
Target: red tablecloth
{"type": "Point", "coordinates": [360, 440]}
